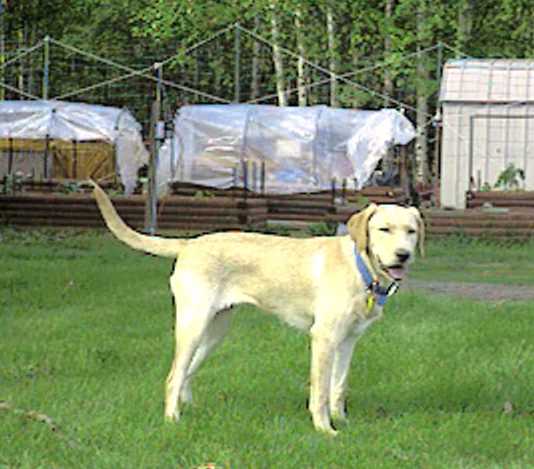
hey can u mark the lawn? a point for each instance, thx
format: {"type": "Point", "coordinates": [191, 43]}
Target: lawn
{"type": "Point", "coordinates": [469, 260]}
{"type": "Point", "coordinates": [86, 343]}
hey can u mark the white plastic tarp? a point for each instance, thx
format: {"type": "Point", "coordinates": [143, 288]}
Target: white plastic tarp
{"type": "Point", "coordinates": [81, 122]}
{"type": "Point", "coordinates": [303, 147]}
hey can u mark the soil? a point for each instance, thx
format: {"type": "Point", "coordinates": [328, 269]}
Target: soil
{"type": "Point", "coordinates": [488, 292]}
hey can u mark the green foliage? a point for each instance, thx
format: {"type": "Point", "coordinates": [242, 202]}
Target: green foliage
{"type": "Point", "coordinates": [130, 30]}
{"type": "Point", "coordinates": [11, 183]}
{"type": "Point", "coordinates": [203, 194]}
{"type": "Point", "coordinates": [361, 202]}
{"type": "Point", "coordinates": [510, 177]}
{"type": "Point", "coordinates": [322, 229]}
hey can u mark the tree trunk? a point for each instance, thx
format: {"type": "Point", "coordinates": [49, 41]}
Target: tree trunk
{"type": "Point", "coordinates": [466, 13]}
{"type": "Point", "coordinates": [330, 28]}
{"type": "Point", "coordinates": [31, 65]}
{"type": "Point", "coordinates": [2, 50]}
{"type": "Point", "coordinates": [20, 37]}
{"type": "Point", "coordinates": [301, 78]}
{"type": "Point", "coordinates": [277, 59]}
{"type": "Point", "coordinates": [388, 80]}
{"type": "Point", "coordinates": [254, 81]}
{"type": "Point", "coordinates": [421, 147]}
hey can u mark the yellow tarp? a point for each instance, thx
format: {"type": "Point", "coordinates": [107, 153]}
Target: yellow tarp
{"type": "Point", "coordinates": [66, 159]}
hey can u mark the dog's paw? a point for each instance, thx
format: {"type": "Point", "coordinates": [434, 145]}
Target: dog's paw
{"type": "Point", "coordinates": [326, 428]}
{"type": "Point", "coordinates": [330, 430]}
{"type": "Point", "coordinates": [173, 417]}
{"type": "Point", "coordinates": [339, 412]}
{"type": "Point", "coordinates": [340, 419]}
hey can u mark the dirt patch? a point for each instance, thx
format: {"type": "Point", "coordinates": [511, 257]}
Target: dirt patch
{"type": "Point", "coordinates": [477, 291]}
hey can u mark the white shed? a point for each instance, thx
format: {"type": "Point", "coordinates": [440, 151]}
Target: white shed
{"type": "Point", "coordinates": [488, 123]}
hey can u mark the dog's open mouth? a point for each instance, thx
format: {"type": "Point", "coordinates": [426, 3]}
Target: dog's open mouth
{"type": "Point", "coordinates": [396, 272]}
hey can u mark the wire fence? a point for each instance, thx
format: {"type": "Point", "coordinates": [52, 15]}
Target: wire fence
{"type": "Point", "coordinates": [235, 64]}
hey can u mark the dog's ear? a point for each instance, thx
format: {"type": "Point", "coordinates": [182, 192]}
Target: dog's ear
{"type": "Point", "coordinates": [420, 230]}
{"type": "Point", "coordinates": [357, 226]}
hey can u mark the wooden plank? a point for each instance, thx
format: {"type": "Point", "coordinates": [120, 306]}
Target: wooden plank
{"type": "Point", "coordinates": [503, 195]}
{"type": "Point", "coordinates": [500, 231]}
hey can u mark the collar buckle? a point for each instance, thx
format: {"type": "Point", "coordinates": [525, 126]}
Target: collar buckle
{"type": "Point", "coordinates": [393, 288]}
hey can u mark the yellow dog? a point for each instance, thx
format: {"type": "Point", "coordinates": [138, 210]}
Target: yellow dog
{"type": "Point", "coordinates": [332, 287]}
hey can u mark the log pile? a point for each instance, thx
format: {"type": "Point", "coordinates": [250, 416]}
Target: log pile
{"type": "Point", "coordinates": [508, 199]}
{"type": "Point", "coordinates": [179, 213]}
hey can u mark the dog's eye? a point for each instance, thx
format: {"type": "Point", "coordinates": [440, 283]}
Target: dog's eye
{"type": "Point", "coordinates": [411, 231]}
{"type": "Point", "coordinates": [384, 230]}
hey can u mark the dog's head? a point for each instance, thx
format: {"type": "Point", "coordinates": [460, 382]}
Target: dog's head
{"type": "Point", "coordinates": [389, 235]}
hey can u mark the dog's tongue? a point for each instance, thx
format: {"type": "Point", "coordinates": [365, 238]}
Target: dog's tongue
{"type": "Point", "coordinates": [397, 273]}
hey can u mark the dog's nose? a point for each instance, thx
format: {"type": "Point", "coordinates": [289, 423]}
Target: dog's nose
{"type": "Point", "coordinates": [402, 255]}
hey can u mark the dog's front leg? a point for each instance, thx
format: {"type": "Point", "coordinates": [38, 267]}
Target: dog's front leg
{"type": "Point", "coordinates": [340, 373]}
{"type": "Point", "coordinates": [322, 358]}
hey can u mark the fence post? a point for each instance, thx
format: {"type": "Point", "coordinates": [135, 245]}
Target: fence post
{"type": "Point", "coordinates": [254, 176]}
{"type": "Point", "coordinates": [403, 171]}
{"type": "Point", "coordinates": [74, 159]}
{"type": "Point", "coordinates": [2, 50]}
{"type": "Point", "coordinates": [47, 151]}
{"type": "Point", "coordinates": [333, 191]}
{"type": "Point", "coordinates": [262, 178]}
{"type": "Point", "coordinates": [237, 64]}
{"type": "Point", "coordinates": [234, 177]}
{"type": "Point", "coordinates": [157, 133]}
{"type": "Point", "coordinates": [244, 165]}
{"type": "Point", "coordinates": [46, 67]}
{"type": "Point", "coordinates": [439, 64]}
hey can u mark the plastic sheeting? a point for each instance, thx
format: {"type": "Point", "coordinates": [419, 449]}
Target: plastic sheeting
{"type": "Point", "coordinates": [303, 147]}
{"type": "Point", "coordinates": [80, 122]}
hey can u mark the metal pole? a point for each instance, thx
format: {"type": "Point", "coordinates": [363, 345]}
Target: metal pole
{"type": "Point", "coordinates": [2, 49]}
{"type": "Point", "coordinates": [237, 64]}
{"type": "Point", "coordinates": [254, 176]}
{"type": "Point", "coordinates": [10, 157]}
{"type": "Point", "coordinates": [471, 145]}
{"type": "Point", "coordinates": [234, 176]}
{"type": "Point", "coordinates": [262, 178]}
{"type": "Point", "coordinates": [244, 164]}
{"type": "Point", "coordinates": [440, 62]}
{"type": "Point", "coordinates": [74, 160]}
{"type": "Point", "coordinates": [437, 151]}
{"type": "Point", "coordinates": [156, 135]}
{"type": "Point", "coordinates": [46, 67]}
{"type": "Point", "coordinates": [333, 190]}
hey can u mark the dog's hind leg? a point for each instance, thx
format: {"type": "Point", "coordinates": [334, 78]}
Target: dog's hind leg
{"type": "Point", "coordinates": [192, 319]}
{"type": "Point", "coordinates": [212, 337]}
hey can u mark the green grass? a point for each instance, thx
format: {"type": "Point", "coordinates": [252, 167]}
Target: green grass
{"type": "Point", "coordinates": [85, 338]}
{"type": "Point", "coordinates": [469, 260]}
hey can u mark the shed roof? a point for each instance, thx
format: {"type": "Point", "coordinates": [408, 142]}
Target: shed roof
{"type": "Point", "coordinates": [488, 81]}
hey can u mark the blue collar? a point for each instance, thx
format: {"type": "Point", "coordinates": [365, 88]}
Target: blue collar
{"type": "Point", "coordinates": [380, 293]}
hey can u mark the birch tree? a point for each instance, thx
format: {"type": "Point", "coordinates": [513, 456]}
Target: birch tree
{"type": "Point", "coordinates": [388, 79]}
{"type": "Point", "coordinates": [421, 147]}
{"type": "Point", "coordinates": [301, 78]}
{"type": "Point", "coordinates": [277, 56]}
{"type": "Point", "coordinates": [255, 65]}
{"type": "Point", "coordinates": [330, 30]}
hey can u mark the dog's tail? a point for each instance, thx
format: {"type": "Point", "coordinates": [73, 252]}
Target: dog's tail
{"type": "Point", "coordinates": [165, 247]}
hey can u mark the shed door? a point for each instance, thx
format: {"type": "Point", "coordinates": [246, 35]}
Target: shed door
{"type": "Point", "coordinates": [82, 160]}
{"type": "Point", "coordinates": [498, 140]}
